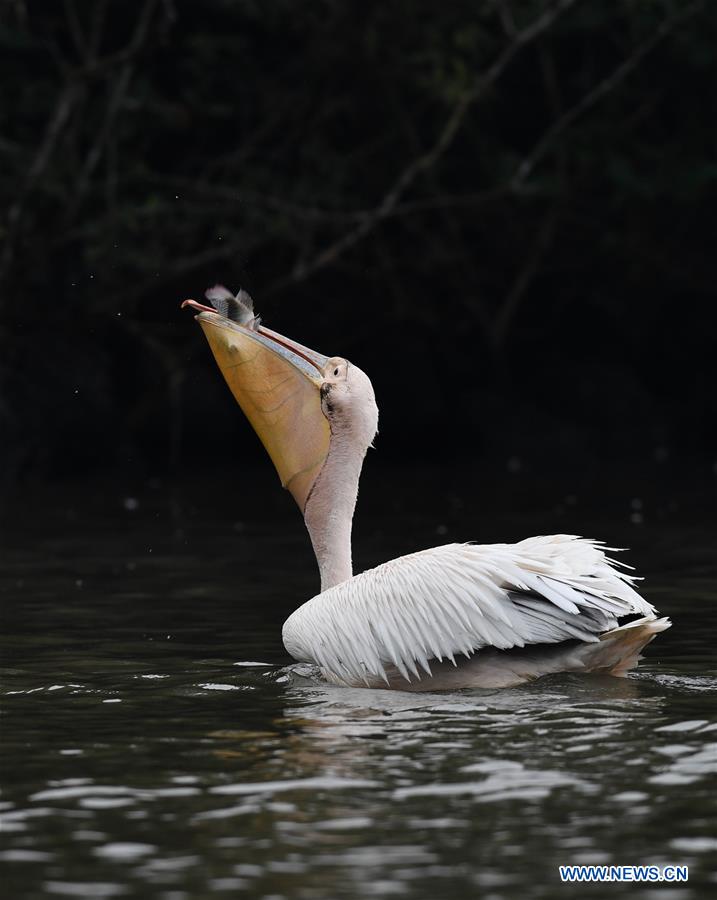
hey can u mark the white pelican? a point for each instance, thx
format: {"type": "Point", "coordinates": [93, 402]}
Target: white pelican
{"type": "Point", "coordinates": [456, 616]}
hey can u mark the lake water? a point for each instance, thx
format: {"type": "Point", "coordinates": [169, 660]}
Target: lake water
{"type": "Point", "coordinates": [153, 746]}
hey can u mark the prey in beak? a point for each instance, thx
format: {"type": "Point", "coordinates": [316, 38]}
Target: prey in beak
{"type": "Point", "coordinates": [239, 308]}
{"type": "Point", "coordinates": [275, 381]}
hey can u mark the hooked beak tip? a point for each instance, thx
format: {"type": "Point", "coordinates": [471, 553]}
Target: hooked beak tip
{"type": "Point", "coordinates": [198, 306]}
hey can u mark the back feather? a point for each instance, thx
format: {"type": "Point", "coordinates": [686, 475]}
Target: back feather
{"type": "Point", "coordinates": [458, 598]}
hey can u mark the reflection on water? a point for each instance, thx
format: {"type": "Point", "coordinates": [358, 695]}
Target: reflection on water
{"type": "Point", "coordinates": [154, 746]}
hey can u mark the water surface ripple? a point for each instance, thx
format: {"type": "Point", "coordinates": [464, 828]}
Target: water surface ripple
{"type": "Point", "coordinates": [155, 747]}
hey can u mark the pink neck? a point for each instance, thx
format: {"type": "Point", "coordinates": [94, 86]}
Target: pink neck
{"type": "Point", "coordinates": [329, 512]}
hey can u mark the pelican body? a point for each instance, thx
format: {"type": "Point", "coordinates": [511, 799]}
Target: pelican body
{"type": "Point", "coordinates": [455, 616]}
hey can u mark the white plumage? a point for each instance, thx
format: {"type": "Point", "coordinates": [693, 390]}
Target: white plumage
{"type": "Point", "coordinates": [457, 599]}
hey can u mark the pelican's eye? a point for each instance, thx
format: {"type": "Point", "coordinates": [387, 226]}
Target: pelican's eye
{"type": "Point", "coordinates": [336, 369]}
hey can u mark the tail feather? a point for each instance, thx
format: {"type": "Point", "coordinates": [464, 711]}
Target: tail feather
{"type": "Point", "coordinates": [618, 650]}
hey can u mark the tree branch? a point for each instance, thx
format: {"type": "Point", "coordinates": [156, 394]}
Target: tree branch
{"type": "Point", "coordinates": [119, 90]}
{"type": "Point", "coordinates": [64, 106]}
{"type": "Point", "coordinates": [443, 142]}
{"type": "Point", "coordinates": [601, 89]}
{"type": "Point", "coordinates": [506, 312]}
{"type": "Point", "coordinates": [75, 28]}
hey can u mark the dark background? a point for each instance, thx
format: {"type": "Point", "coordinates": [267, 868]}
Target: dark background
{"type": "Point", "coordinates": [503, 211]}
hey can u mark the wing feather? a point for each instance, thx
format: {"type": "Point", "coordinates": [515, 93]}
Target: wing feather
{"type": "Point", "coordinates": [459, 598]}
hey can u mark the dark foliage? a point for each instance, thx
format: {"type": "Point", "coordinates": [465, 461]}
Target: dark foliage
{"type": "Point", "coordinates": [504, 211]}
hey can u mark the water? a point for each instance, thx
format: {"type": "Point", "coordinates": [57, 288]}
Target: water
{"type": "Point", "coordinates": [153, 747]}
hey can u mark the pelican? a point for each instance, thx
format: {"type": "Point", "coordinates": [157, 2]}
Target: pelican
{"type": "Point", "coordinates": [452, 617]}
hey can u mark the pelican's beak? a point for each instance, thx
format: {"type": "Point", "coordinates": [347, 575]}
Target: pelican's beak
{"type": "Point", "coordinates": [277, 383]}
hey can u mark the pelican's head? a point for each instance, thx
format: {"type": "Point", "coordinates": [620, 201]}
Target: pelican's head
{"type": "Point", "coordinates": [300, 403]}
{"type": "Point", "coordinates": [348, 403]}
